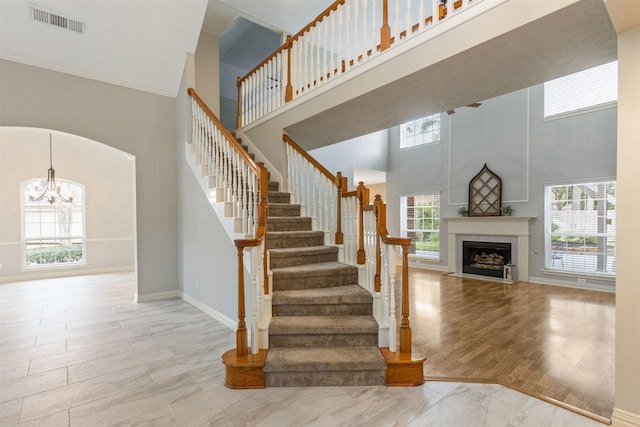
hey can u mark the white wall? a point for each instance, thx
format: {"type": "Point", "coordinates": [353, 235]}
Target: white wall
{"type": "Point", "coordinates": [207, 71]}
{"type": "Point", "coordinates": [108, 177]}
{"type": "Point", "coordinates": [136, 122]}
{"type": "Point", "coordinates": [627, 405]}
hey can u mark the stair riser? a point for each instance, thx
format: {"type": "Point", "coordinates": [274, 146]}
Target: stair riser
{"type": "Point", "coordinates": [294, 283]}
{"type": "Point", "coordinates": [321, 309]}
{"type": "Point", "coordinates": [273, 186]}
{"type": "Point", "coordinates": [302, 260]}
{"type": "Point", "coordinates": [294, 242]}
{"type": "Point", "coordinates": [331, 378]}
{"type": "Point", "coordinates": [284, 210]}
{"type": "Point", "coordinates": [322, 340]}
{"type": "Point", "coordinates": [293, 224]}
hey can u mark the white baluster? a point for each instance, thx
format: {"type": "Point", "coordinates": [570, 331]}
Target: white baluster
{"type": "Point", "coordinates": [393, 329]}
{"type": "Point", "coordinates": [325, 59]}
{"type": "Point", "coordinates": [347, 46]}
{"type": "Point", "coordinates": [340, 48]}
{"type": "Point", "coordinates": [435, 10]}
{"type": "Point", "coordinates": [332, 51]}
{"type": "Point", "coordinates": [374, 28]}
{"type": "Point", "coordinates": [409, 24]}
{"type": "Point", "coordinates": [397, 24]}
{"type": "Point", "coordinates": [421, 15]}
{"type": "Point", "coordinates": [316, 38]}
{"type": "Point", "coordinates": [356, 45]}
{"type": "Point", "coordinates": [365, 40]}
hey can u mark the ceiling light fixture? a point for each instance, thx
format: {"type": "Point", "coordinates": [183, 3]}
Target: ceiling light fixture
{"type": "Point", "coordinates": [49, 189]}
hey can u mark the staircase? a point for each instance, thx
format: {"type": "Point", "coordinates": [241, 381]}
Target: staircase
{"type": "Point", "coordinates": [312, 321]}
{"type": "Point", "coordinates": [322, 331]}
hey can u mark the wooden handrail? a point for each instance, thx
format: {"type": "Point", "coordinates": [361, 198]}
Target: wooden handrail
{"type": "Point", "coordinates": [318, 18]}
{"type": "Point", "coordinates": [234, 143]}
{"type": "Point", "coordinates": [310, 159]}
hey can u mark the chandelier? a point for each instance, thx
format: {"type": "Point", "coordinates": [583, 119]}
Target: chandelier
{"type": "Point", "coordinates": [50, 190]}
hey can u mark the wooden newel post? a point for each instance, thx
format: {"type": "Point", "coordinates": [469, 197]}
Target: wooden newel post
{"type": "Point", "coordinates": [239, 112]}
{"type": "Point", "coordinates": [288, 94]}
{"type": "Point", "coordinates": [241, 332]}
{"type": "Point", "coordinates": [363, 199]}
{"type": "Point", "coordinates": [377, 203]}
{"type": "Point", "coordinates": [405, 328]}
{"type": "Point", "coordinates": [385, 30]}
{"type": "Point", "coordinates": [339, 235]}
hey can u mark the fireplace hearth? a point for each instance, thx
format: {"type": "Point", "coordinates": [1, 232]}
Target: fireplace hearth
{"type": "Point", "coordinates": [485, 258]}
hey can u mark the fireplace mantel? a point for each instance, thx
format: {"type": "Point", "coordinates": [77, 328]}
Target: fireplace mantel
{"type": "Point", "coordinates": [512, 226]}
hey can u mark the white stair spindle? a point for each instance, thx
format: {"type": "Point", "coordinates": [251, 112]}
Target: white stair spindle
{"type": "Point", "coordinates": [435, 10]}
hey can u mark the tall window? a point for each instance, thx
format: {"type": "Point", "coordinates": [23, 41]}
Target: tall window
{"type": "Point", "coordinates": [53, 234]}
{"type": "Point", "coordinates": [420, 218]}
{"type": "Point", "coordinates": [587, 89]}
{"type": "Point", "coordinates": [422, 131]}
{"type": "Point", "coordinates": [580, 227]}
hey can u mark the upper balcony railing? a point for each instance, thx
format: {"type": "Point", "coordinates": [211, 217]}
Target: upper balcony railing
{"type": "Point", "coordinates": [346, 35]}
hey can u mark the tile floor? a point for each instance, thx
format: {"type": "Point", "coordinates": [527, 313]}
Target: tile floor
{"type": "Point", "coordinates": [80, 352]}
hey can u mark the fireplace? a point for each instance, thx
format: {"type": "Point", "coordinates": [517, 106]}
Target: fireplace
{"type": "Point", "coordinates": [502, 229]}
{"type": "Point", "coordinates": [485, 258]}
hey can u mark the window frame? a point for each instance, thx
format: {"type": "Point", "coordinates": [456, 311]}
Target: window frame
{"type": "Point", "coordinates": [25, 266]}
{"type": "Point", "coordinates": [404, 230]}
{"type": "Point", "coordinates": [403, 132]}
{"type": "Point", "coordinates": [588, 78]}
{"type": "Point", "coordinates": [558, 259]}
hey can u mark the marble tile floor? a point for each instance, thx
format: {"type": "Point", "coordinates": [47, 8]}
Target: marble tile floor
{"type": "Point", "coordinates": [79, 351]}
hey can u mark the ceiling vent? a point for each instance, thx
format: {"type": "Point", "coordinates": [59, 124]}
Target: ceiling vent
{"type": "Point", "coordinates": [48, 17]}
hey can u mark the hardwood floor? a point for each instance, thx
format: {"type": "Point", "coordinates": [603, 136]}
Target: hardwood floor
{"type": "Point", "coordinates": [547, 341]}
{"type": "Point", "coordinates": [79, 351]}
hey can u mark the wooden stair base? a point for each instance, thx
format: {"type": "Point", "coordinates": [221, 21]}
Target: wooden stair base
{"type": "Point", "coordinates": [244, 372]}
{"type": "Point", "coordinates": [404, 370]}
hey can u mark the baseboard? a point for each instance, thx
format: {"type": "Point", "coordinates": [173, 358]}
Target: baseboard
{"type": "Point", "coordinates": [427, 265]}
{"type": "Point", "coordinates": [156, 296]}
{"type": "Point", "coordinates": [622, 418]}
{"type": "Point", "coordinates": [225, 320]}
{"type": "Point", "coordinates": [65, 273]}
{"type": "Point", "coordinates": [571, 284]}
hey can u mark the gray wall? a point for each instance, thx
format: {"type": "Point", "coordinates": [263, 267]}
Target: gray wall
{"type": "Point", "coordinates": [509, 134]}
{"type": "Point", "coordinates": [206, 256]}
{"type": "Point", "coordinates": [364, 152]}
{"type": "Point", "coordinates": [136, 122]}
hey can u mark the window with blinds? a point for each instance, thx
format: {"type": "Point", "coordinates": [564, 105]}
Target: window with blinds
{"type": "Point", "coordinates": [580, 227]}
{"type": "Point", "coordinates": [420, 220]}
{"type": "Point", "coordinates": [420, 132]}
{"type": "Point", "coordinates": [53, 234]}
{"type": "Point", "coordinates": [595, 87]}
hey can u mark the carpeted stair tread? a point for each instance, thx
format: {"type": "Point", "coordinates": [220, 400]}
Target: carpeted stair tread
{"type": "Point", "coordinates": [294, 239]}
{"type": "Point", "coordinates": [324, 359]}
{"type": "Point", "coordinates": [283, 209]}
{"type": "Point", "coordinates": [289, 223]}
{"type": "Point", "coordinates": [323, 325]}
{"type": "Point", "coordinates": [273, 186]}
{"type": "Point", "coordinates": [319, 269]}
{"type": "Point", "coordinates": [278, 197]}
{"type": "Point", "coordinates": [349, 294]}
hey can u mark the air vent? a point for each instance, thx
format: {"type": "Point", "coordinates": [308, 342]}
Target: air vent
{"type": "Point", "coordinates": [48, 17]}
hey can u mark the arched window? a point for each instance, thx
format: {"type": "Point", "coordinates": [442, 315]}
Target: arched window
{"type": "Point", "coordinates": [53, 233]}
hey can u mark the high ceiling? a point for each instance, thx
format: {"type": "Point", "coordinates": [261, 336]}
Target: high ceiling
{"type": "Point", "coordinates": [140, 43]}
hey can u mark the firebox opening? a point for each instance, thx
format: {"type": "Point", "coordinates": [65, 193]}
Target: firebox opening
{"type": "Point", "coordinates": [485, 258]}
